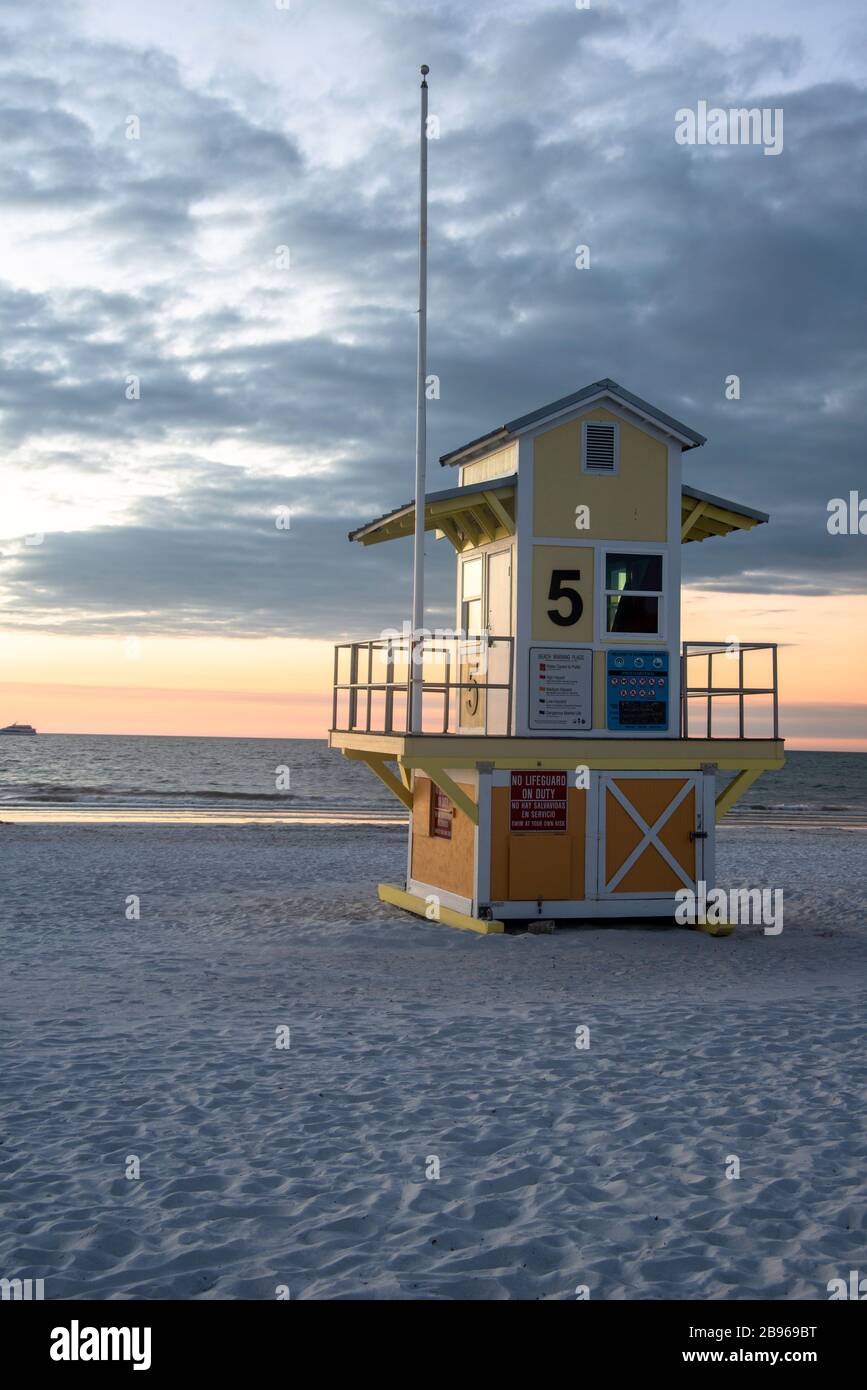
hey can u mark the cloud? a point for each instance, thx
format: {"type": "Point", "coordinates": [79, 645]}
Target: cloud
{"type": "Point", "coordinates": [265, 385]}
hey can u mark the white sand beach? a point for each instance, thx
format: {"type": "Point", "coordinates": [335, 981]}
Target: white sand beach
{"type": "Point", "coordinates": [306, 1167]}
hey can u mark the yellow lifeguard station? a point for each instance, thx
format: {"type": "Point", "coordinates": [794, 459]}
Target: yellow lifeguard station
{"type": "Point", "coordinates": [565, 762]}
{"type": "Point", "coordinates": [558, 748]}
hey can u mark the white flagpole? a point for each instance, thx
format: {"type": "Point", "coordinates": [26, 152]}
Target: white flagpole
{"type": "Point", "coordinates": [415, 722]}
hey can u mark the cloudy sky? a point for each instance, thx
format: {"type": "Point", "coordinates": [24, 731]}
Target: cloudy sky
{"type": "Point", "coordinates": [144, 583]}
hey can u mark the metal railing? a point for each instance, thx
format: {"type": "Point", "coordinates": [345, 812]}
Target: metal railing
{"type": "Point", "coordinates": [372, 680]}
{"type": "Point", "coordinates": [467, 685]}
{"type": "Point", "coordinates": [708, 692]}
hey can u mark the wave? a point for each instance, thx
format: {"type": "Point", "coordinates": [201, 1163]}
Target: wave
{"type": "Point", "coordinates": [60, 793]}
{"type": "Point", "coordinates": [808, 809]}
{"type": "Point", "coordinates": [802, 806]}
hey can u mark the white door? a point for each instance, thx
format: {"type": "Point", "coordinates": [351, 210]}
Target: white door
{"type": "Point", "coordinates": [499, 624]}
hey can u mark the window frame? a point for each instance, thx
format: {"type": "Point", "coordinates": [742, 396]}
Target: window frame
{"type": "Point", "coordinates": [632, 549]}
{"type": "Point", "coordinates": [464, 603]}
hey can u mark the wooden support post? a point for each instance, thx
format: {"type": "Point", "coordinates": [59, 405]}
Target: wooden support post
{"type": "Point", "coordinates": [379, 768]}
{"type": "Point", "coordinates": [437, 773]}
{"type": "Point", "coordinates": [735, 790]}
{"type": "Point", "coordinates": [479, 518]}
{"type": "Point", "coordinates": [496, 506]}
{"type": "Point", "coordinates": [694, 515]}
{"type": "Point", "coordinates": [451, 533]}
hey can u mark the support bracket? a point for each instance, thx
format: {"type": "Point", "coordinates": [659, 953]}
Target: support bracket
{"type": "Point", "coordinates": [735, 790]}
{"type": "Point", "coordinates": [437, 773]}
{"type": "Point", "coordinates": [379, 768]}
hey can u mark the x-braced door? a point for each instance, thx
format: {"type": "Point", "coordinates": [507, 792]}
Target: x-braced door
{"type": "Point", "coordinates": [651, 833]}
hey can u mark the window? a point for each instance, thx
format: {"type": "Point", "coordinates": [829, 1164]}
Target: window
{"type": "Point", "coordinates": [471, 595]}
{"type": "Point", "coordinates": [441, 811]}
{"type": "Point", "coordinates": [600, 446]}
{"type": "Point", "coordinates": [633, 593]}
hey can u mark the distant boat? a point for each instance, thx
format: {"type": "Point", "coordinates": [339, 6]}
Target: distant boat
{"type": "Point", "coordinates": [18, 729]}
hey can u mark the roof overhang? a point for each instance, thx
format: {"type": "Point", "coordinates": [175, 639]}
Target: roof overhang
{"type": "Point", "coordinates": [467, 516]}
{"type": "Point", "coordinates": [482, 512]}
{"type": "Point", "coordinates": [587, 396]}
{"type": "Point", "coordinates": [702, 515]}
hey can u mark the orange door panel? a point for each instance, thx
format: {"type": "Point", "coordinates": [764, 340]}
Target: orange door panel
{"type": "Point", "coordinates": [537, 864]}
{"type": "Point", "coordinates": [540, 866]}
{"type": "Point", "coordinates": [650, 824]}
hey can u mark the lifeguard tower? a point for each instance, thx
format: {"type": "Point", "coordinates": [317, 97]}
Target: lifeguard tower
{"type": "Point", "coordinates": [564, 763]}
{"type": "Point", "coordinates": [558, 748]}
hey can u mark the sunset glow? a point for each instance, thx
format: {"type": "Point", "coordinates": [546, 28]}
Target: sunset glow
{"type": "Point", "coordinates": [280, 687]}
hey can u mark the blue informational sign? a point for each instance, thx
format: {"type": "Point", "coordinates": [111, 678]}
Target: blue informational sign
{"type": "Point", "coordinates": [636, 690]}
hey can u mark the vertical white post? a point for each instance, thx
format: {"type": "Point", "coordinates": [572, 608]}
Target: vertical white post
{"type": "Point", "coordinates": [417, 672]}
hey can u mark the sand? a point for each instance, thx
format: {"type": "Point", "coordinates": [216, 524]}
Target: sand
{"type": "Point", "coordinates": [305, 1169]}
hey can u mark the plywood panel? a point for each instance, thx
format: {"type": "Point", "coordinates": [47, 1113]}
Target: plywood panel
{"type": "Point", "coordinates": [650, 874]}
{"type": "Point", "coordinates": [650, 796]}
{"type": "Point", "coordinates": [444, 864]}
{"type": "Point", "coordinates": [622, 835]}
{"type": "Point", "coordinates": [499, 844]}
{"type": "Point", "coordinates": [540, 866]}
{"type": "Point", "coordinates": [504, 887]}
{"type": "Point", "coordinates": [675, 835]}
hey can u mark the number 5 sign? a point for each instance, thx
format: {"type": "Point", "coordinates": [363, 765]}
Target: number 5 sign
{"type": "Point", "coordinates": [563, 593]}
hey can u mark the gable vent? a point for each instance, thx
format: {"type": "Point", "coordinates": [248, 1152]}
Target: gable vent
{"type": "Point", "coordinates": [600, 446]}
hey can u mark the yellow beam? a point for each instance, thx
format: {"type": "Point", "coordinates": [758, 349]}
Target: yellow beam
{"type": "Point", "coordinates": [605, 764]}
{"type": "Point", "coordinates": [410, 903]}
{"type": "Point", "coordinates": [694, 515]}
{"type": "Point", "coordinates": [437, 773]}
{"type": "Point", "coordinates": [464, 751]}
{"type": "Point", "coordinates": [707, 519]}
{"type": "Point", "coordinates": [503, 516]}
{"type": "Point", "coordinates": [450, 531]}
{"type": "Point", "coordinates": [379, 769]}
{"type": "Point", "coordinates": [380, 745]}
{"type": "Point", "coordinates": [712, 524]}
{"type": "Point", "coordinates": [454, 509]}
{"type": "Point", "coordinates": [735, 790]}
{"type": "Point", "coordinates": [486, 530]}
{"type": "Point", "coordinates": [470, 528]}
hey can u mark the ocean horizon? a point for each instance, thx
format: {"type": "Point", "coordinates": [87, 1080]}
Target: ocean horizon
{"type": "Point", "coordinates": [124, 777]}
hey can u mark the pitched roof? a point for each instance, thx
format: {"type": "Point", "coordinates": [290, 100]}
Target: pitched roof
{"type": "Point", "coordinates": [690, 438]}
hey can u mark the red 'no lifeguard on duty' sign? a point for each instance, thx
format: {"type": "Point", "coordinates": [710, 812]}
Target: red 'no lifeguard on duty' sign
{"type": "Point", "coordinates": [537, 801]}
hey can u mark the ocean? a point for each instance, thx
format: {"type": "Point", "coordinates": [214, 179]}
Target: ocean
{"type": "Point", "coordinates": [117, 777]}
